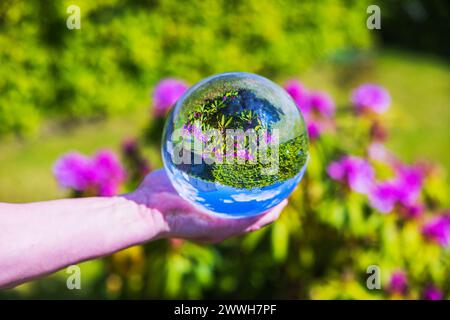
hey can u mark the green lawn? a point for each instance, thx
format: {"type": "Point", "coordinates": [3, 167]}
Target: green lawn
{"type": "Point", "coordinates": [421, 92]}
{"type": "Point", "coordinates": [25, 167]}
{"type": "Point", "coordinates": [420, 87]}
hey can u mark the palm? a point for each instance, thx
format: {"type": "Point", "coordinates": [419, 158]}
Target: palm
{"type": "Point", "coordinates": [187, 221]}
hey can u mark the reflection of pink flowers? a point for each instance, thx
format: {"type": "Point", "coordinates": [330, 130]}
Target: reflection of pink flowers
{"type": "Point", "coordinates": [432, 293]}
{"type": "Point", "coordinates": [355, 171]}
{"type": "Point", "coordinates": [166, 93]}
{"type": "Point", "coordinates": [438, 229]}
{"type": "Point", "coordinates": [268, 138]}
{"type": "Point", "coordinates": [102, 174]}
{"type": "Point", "coordinates": [196, 131]}
{"type": "Point", "coordinates": [317, 108]}
{"type": "Point", "coordinates": [398, 282]}
{"type": "Point", "coordinates": [371, 97]}
{"type": "Point", "coordinates": [244, 154]}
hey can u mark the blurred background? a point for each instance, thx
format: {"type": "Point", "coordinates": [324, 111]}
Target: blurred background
{"type": "Point", "coordinates": [99, 87]}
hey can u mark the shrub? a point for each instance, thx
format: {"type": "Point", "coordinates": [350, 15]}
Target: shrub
{"type": "Point", "coordinates": [124, 46]}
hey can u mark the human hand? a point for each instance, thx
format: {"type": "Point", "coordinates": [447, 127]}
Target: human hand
{"type": "Point", "coordinates": [183, 220]}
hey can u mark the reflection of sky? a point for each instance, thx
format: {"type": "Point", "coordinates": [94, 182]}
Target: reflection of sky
{"type": "Point", "coordinates": [231, 202]}
{"type": "Point", "coordinates": [188, 190]}
{"type": "Point", "coordinates": [256, 196]}
{"type": "Point", "coordinates": [226, 201]}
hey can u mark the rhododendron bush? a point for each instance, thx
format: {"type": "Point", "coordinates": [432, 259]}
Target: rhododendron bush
{"type": "Point", "coordinates": [359, 205]}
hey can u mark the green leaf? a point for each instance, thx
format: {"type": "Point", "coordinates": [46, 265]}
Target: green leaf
{"type": "Point", "coordinates": [280, 241]}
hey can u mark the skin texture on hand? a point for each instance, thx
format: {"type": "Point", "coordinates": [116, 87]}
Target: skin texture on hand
{"type": "Point", "coordinates": [39, 238]}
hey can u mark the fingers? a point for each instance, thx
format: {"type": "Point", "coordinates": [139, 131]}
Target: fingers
{"type": "Point", "coordinates": [268, 217]}
{"type": "Point", "coordinates": [190, 222]}
{"type": "Point", "coordinates": [158, 181]}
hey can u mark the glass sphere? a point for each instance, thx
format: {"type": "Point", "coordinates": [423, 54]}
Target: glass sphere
{"type": "Point", "coordinates": [235, 144]}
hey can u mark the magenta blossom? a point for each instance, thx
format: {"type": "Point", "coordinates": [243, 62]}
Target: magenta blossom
{"type": "Point", "coordinates": [322, 103]}
{"type": "Point", "coordinates": [402, 191]}
{"type": "Point", "coordinates": [409, 183]}
{"type": "Point", "coordinates": [398, 282]}
{"type": "Point", "coordinates": [298, 93]}
{"type": "Point", "coordinates": [166, 93]}
{"type": "Point", "coordinates": [101, 174]}
{"type": "Point", "coordinates": [432, 293]}
{"type": "Point", "coordinates": [314, 130]}
{"type": "Point", "coordinates": [317, 108]}
{"type": "Point", "coordinates": [319, 118]}
{"type": "Point", "coordinates": [355, 171]}
{"type": "Point", "coordinates": [438, 229]}
{"type": "Point", "coordinates": [371, 97]}
{"type": "Point", "coordinates": [384, 196]}
{"type": "Point", "coordinates": [109, 172]}
{"type": "Point", "coordinates": [74, 171]}
{"type": "Point", "coordinates": [378, 152]}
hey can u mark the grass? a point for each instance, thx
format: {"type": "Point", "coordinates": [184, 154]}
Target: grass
{"type": "Point", "coordinates": [25, 167]}
{"type": "Point", "coordinates": [421, 93]}
{"type": "Point", "coordinates": [418, 120]}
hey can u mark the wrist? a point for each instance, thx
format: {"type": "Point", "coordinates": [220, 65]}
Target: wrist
{"type": "Point", "coordinates": [147, 222]}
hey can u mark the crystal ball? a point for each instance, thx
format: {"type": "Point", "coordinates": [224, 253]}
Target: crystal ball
{"type": "Point", "coordinates": [235, 144]}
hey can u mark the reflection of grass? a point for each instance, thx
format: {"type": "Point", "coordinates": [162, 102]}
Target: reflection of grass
{"type": "Point", "coordinates": [292, 157]}
{"type": "Point", "coordinates": [420, 88]}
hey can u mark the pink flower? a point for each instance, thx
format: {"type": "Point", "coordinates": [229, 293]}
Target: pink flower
{"type": "Point", "coordinates": [314, 130]}
{"type": "Point", "coordinates": [384, 196]}
{"type": "Point", "coordinates": [377, 151]}
{"type": "Point", "coordinates": [371, 97]}
{"type": "Point", "coordinates": [109, 172]}
{"type": "Point", "coordinates": [317, 108]}
{"type": "Point", "coordinates": [355, 171]}
{"type": "Point", "coordinates": [74, 171]}
{"type": "Point", "coordinates": [398, 282]}
{"type": "Point", "coordinates": [409, 183]}
{"type": "Point", "coordinates": [438, 229]}
{"type": "Point", "coordinates": [432, 293]}
{"type": "Point", "coordinates": [402, 191]}
{"type": "Point", "coordinates": [166, 94]}
{"type": "Point", "coordinates": [322, 103]}
{"type": "Point", "coordinates": [103, 173]}
{"type": "Point", "coordinates": [298, 93]}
